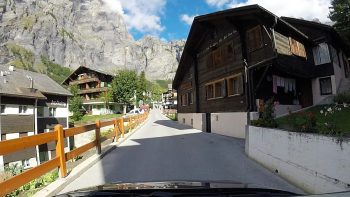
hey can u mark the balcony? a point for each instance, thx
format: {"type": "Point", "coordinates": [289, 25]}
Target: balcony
{"type": "Point", "coordinates": [84, 80]}
{"type": "Point", "coordinates": [95, 100]}
{"type": "Point", "coordinates": [92, 90]}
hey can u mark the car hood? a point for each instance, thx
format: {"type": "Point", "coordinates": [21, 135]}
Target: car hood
{"type": "Point", "coordinates": [171, 185]}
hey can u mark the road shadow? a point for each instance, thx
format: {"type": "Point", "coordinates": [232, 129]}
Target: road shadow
{"type": "Point", "coordinates": [172, 124]}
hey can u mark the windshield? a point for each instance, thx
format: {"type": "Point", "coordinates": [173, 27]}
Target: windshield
{"type": "Point", "coordinates": [136, 93]}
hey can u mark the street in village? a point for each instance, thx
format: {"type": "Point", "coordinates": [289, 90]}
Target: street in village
{"type": "Point", "coordinates": [163, 150]}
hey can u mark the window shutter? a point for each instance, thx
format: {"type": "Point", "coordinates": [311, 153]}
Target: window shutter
{"type": "Point", "coordinates": [240, 84]}
{"type": "Point", "coordinates": [223, 89]}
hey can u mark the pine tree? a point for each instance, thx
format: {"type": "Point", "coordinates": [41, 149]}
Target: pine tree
{"type": "Point", "coordinates": [340, 14]}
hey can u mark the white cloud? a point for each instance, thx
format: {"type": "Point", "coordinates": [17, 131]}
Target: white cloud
{"type": "Point", "coordinates": [217, 3]}
{"type": "Point", "coordinates": [308, 10]}
{"type": "Point", "coordinates": [141, 15]}
{"type": "Point", "coordinates": [187, 18]}
{"type": "Point", "coordinates": [115, 6]}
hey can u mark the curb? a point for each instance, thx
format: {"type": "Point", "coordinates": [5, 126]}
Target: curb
{"type": "Point", "coordinates": [55, 187]}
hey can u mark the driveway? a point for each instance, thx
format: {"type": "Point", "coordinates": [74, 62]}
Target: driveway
{"type": "Point", "coordinates": [163, 150]}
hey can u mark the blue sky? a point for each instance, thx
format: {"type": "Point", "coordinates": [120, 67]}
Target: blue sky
{"type": "Point", "coordinates": [175, 28]}
{"type": "Point", "coordinates": [171, 19]}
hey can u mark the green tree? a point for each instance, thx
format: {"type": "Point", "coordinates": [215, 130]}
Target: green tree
{"type": "Point", "coordinates": [142, 87]}
{"type": "Point", "coordinates": [75, 104]}
{"type": "Point", "coordinates": [340, 14]}
{"type": "Point", "coordinates": [124, 86]}
{"type": "Point", "coordinates": [156, 92]}
{"type": "Point", "coordinates": [107, 97]}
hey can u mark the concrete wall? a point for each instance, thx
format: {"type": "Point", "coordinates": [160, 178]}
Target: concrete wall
{"type": "Point", "coordinates": [315, 163]}
{"type": "Point", "coordinates": [317, 97]}
{"type": "Point", "coordinates": [230, 124]}
{"type": "Point", "coordinates": [195, 120]}
{"type": "Point", "coordinates": [281, 110]}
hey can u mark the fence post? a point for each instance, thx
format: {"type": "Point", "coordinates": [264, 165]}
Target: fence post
{"type": "Point", "coordinates": [116, 128]}
{"type": "Point", "coordinates": [122, 126]}
{"type": "Point", "coordinates": [60, 151]}
{"type": "Point", "coordinates": [130, 123]}
{"type": "Point", "coordinates": [98, 137]}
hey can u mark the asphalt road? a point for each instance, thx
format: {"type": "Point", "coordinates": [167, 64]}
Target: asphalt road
{"type": "Point", "coordinates": [163, 150]}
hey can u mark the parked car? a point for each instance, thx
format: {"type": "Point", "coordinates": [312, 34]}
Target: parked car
{"type": "Point", "coordinates": [134, 112]}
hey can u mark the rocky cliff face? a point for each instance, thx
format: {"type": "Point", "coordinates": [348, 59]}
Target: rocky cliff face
{"type": "Point", "coordinates": [81, 32]}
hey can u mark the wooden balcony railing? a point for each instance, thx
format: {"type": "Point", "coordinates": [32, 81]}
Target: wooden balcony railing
{"type": "Point", "coordinates": [58, 135]}
{"type": "Point", "coordinates": [92, 90]}
{"type": "Point", "coordinates": [85, 80]}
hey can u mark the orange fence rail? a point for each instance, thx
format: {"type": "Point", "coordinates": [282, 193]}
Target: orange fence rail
{"type": "Point", "coordinates": [58, 135]}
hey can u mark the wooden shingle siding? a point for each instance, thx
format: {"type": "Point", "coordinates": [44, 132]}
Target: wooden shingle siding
{"type": "Point", "coordinates": [17, 123]}
{"type": "Point", "coordinates": [50, 122]}
{"type": "Point", "coordinates": [20, 155]}
{"type": "Point", "coordinates": [282, 44]}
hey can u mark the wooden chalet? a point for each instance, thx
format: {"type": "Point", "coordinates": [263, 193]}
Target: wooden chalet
{"type": "Point", "coordinates": [92, 83]}
{"type": "Point", "coordinates": [236, 59]}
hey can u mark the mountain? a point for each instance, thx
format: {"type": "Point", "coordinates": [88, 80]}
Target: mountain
{"type": "Point", "coordinates": [79, 32]}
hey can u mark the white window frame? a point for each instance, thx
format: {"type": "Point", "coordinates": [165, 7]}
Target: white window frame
{"type": "Point", "coordinates": [321, 54]}
{"type": "Point", "coordinates": [319, 80]}
{"type": "Point", "coordinates": [22, 107]}
{"type": "Point", "coordinates": [54, 112]}
{"type": "Point", "coordinates": [239, 76]}
{"type": "Point", "coordinates": [223, 93]}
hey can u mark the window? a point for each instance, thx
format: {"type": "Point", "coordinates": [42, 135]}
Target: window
{"type": "Point", "coordinates": [216, 89]}
{"type": "Point", "coordinates": [40, 111]}
{"type": "Point", "coordinates": [297, 48]}
{"type": "Point", "coordinates": [254, 39]}
{"type": "Point", "coordinates": [23, 109]}
{"type": "Point", "coordinates": [326, 86]}
{"type": "Point", "coordinates": [184, 99]}
{"type": "Point", "coordinates": [217, 57]}
{"type": "Point", "coordinates": [190, 98]}
{"type": "Point", "coordinates": [210, 91]}
{"type": "Point", "coordinates": [235, 85]}
{"type": "Point", "coordinates": [321, 54]}
{"type": "Point", "coordinates": [52, 112]}
{"type": "Point", "coordinates": [3, 109]}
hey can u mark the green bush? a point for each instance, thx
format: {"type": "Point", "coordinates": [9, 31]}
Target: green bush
{"type": "Point", "coordinates": [342, 98]}
{"type": "Point", "coordinates": [267, 119]}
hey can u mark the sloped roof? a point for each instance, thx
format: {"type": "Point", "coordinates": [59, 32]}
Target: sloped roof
{"type": "Point", "coordinates": [17, 83]}
{"type": "Point", "coordinates": [75, 72]}
{"type": "Point", "coordinates": [319, 26]}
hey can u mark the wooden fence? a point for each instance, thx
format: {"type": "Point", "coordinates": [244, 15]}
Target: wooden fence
{"type": "Point", "coordinates": [58, 135]}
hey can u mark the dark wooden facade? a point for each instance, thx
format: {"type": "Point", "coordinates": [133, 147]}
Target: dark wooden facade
{"type": "Point", "coordinates": [262, 47]}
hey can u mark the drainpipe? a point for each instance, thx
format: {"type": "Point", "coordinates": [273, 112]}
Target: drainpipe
{"type": "Point", "coordinates": [36, 126]}
{"type": "Point", "coordinates": [273, 35]}
{"type": "Point", "coordinates": [1, 157]}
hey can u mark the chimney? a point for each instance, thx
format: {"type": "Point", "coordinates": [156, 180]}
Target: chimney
{"type": "Point", "coordinates": [31, 85]}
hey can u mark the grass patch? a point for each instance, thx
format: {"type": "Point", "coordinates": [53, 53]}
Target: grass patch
{"type": "Point", "coordinates": [93, 118]}
{"type": "Point", "coordinates": [172, 117]}
{"type": "Point", "coordinates": [340, 120]}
